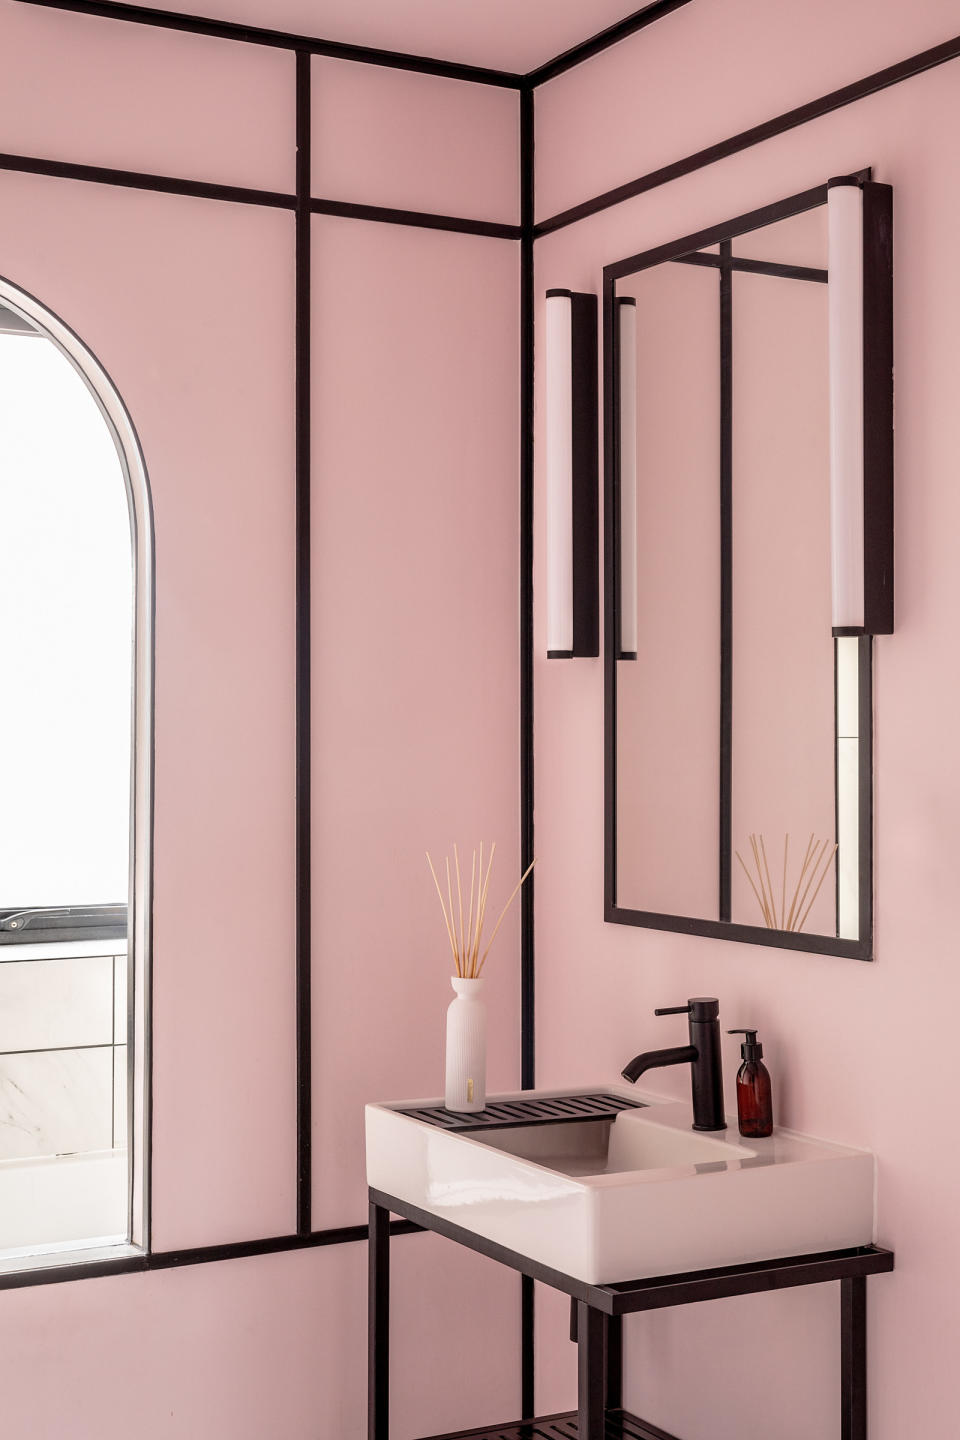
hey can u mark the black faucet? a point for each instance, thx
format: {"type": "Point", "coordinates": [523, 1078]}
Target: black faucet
{"type": "Point", "coordinates": [703, 1054]}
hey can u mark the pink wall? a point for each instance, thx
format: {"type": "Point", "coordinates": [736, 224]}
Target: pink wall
{"type": "Point", "coordinates": [667, 842]}
{"type": "Point", "coordinates": [845, 1041]}
{"type": "Point", "coordinates": [189, 305]}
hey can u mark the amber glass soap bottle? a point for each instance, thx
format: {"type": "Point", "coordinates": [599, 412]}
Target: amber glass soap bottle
{"type": "Point", "coordinates": [754, 1097]}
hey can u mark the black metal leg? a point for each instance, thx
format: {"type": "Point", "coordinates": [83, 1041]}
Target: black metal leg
{"type": "Point", "coordinates": [591, 1387]}
{"type": "Point", "coordinates": [614, 1348]}
{"type": "Point", "coordinates": [378, 1325]}
{"type": "Point", "coordinates": [853, 1358]}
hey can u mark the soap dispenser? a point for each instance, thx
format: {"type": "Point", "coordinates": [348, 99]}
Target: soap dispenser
{"type": "Point", "coordinates": [754, 1099]}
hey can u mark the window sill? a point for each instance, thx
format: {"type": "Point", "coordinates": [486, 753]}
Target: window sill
{"type": "Point", "coordinates": [48, 1267]}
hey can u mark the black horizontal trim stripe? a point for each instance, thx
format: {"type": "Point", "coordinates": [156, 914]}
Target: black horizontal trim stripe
{"type": "Point", "coordinates": [140, 180]}
{"type": "Point", "coordinates": [238, 194]}
{"type": "Point", "coordinates": [789, 120]}
{"type": "Point", "coordinates": [613, 34]}
{"type": "Point", "coordinates": [282, 40]}
{"type": "Point", "coordinates": [422, 218]}
{"type": "Point", "coordinates": [201, 1255]}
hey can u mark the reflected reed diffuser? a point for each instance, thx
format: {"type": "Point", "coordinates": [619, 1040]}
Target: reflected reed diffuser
{"type": "Point", "coordinates": [794, 907]}
{"type": "Point", "coordinates": [466, 1048]}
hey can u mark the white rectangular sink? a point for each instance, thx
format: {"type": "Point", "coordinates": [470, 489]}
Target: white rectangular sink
{"type": "Point", "coordinates": [623, 1198]}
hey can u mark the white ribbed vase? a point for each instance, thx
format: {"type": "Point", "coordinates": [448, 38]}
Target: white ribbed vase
{"type": "Point", "coordinates": [466, 1088]}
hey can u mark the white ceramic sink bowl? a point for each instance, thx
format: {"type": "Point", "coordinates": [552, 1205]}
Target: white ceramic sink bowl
{"type": "Point", "coordinates": [642, 1194]}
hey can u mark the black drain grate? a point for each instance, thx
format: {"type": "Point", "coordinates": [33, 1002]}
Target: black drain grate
{"type": "Point", "coordinates": [620, 1426]}
{"type": "Point", "coordinates": [544, 1110]}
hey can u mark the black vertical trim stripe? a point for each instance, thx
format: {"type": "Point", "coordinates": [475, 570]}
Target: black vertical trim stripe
{"type": "Point", "coordinates": [726, 578]}
{"type": "Point", "coordinates": [303, 696]}
{"type": "Point", "coordinates": [527, 976]}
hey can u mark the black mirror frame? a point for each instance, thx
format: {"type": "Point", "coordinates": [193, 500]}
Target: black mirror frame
{"type": "Point", "coordinates": [878, 418]}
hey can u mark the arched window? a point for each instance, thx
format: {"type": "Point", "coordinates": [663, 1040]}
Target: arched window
{"type": "Point", "coordinates": [76, 607]}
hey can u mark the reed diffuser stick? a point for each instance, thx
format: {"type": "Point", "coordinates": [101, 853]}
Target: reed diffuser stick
{"type": "Point", "coordinates": [466, 941]}
{"type": "Point", "coordinates": [814, 867]}
{"type": "Point", "coordinates": [453, 945]}
{"type": "Point", "coordinates": [503, 912]}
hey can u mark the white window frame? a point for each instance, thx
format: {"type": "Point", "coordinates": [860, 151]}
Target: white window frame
{"type": "Point", "coordinates": [140, 900]}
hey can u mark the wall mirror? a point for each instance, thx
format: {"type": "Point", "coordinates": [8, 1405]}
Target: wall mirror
{"type": "Point", "coordinates": [748, 564]}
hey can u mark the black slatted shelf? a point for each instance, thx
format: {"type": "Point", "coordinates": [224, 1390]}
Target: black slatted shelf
{"type": "Point", "coordinates": [544, 1110]}
{"type": "Point", "coordinates": [620, 1426]}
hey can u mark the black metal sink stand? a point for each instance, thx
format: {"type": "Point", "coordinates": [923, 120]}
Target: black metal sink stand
{"type": "Point", "coordinates": [599, 1311]}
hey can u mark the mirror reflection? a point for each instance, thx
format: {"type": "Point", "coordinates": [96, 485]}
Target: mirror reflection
{"type": "Point", "coordinates": [737, 745]}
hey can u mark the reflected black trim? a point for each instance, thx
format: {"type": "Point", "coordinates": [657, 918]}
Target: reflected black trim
{"type": "Point", "coordinates": [200, 1255]}
{"type": "Point", "coordinates": [603, 40]}
{"type": "Point", "coordinates": [789, 120]}
{"type": "Point", "coordinates": [757, 267]}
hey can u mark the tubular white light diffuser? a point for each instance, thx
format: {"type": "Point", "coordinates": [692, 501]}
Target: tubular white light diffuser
{"type": "Point", "coordinates": [627, 369]}
{"type": "Point", "coordinates": [845, 229]}
{"type": "Point", "coordinates": [572, 510]}
{"type": "Point", "coordinates": [559, 409]}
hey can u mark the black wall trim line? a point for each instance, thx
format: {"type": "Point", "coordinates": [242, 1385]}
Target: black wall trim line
{"type": "Point", "coordinates": [201, 1255]}
{"type": "Point", "coordinates": [364, 54]}
{"type": "Point", "coordinates": [789, 120]}
{"type": "Point", "coordinates": [140, 180]}
{"type": "Point", "coordinates": [603, 40]}
{"type": "Point", "coordinates": [423, 219]}
{"type": "Point", "coordinates": [527, 973]}
{"type": "Point", "coordinates": [282, 40]}
{"type": "Point", "coordinates": [304, 886]}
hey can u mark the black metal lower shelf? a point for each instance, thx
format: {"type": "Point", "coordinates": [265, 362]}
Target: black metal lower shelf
{"type": "Point", "coordinates": [620, 1426]}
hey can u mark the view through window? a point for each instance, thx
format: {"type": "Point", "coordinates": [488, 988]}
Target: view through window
{"type": "Point", "coordinates": [66, 643]}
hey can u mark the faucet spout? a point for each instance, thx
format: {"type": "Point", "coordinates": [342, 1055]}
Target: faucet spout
{"type": "Point", "coordinates": [654, 1059]}
{"type": "Point", "coordinates": [702, 1055]}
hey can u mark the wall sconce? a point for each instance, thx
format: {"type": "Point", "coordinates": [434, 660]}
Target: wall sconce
{"type": "Point", "coordinates": [860, 291]}
{"type": "Point", "coordinates": [626, 340]}
{"type": "Point", "coordinates": [573, 627]}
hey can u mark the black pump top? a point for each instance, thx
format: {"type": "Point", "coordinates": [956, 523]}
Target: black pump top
{"type": "Point", "coordinates": [750, 1049]}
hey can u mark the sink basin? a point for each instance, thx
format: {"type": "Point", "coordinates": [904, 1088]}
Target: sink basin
{"type": "Point", "coordinates": [625, 1195]}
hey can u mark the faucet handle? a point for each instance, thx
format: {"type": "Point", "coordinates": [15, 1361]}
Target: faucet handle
{"type": "Point", "coordinates": [701, 1007]}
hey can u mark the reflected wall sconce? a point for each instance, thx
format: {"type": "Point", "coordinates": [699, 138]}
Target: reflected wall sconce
{"type": "Point", "coordinates": [860, 299]}
{"type": "Point", "coordinates": [626, 340]}
{"type": "Point", "coordinates": [573, 620]}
